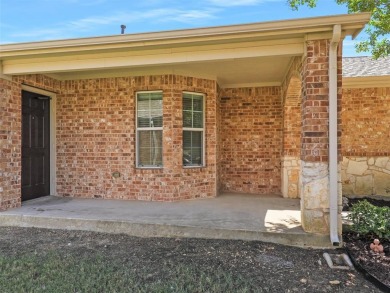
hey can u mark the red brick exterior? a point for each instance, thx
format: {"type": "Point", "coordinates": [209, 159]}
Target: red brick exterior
{"type": "Point", "coordinates": [95, 134]}
{"type": "Point", "coordinates": [366, 122]}
{"type": "Point", "coordinates": [251, 140]}
{"type": "Point", "coordinates": [96, 137]}
{"type": "Point", "coordinates": [10, 132]}
{"type": "Point", "coordinates": [292, 118]}
{"type": "Point", "coordinates": [10, 144]}
{"type": "Point", "coordinates": [315, 82]}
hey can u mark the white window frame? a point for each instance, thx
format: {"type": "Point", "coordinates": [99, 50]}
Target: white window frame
{"type": "Point", "coordinates": [138, 129]}
{"type": "Point", "coordinates": [197, 129]}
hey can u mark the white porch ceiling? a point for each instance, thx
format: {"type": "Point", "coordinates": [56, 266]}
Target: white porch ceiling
{"type": "Point", "coordinates": [256, 71]}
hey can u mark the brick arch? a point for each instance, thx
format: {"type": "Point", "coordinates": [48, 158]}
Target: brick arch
{"type": "Point", "coordinates": [292, 122]}
{"type": "Point", "coordinates": [292, 125]}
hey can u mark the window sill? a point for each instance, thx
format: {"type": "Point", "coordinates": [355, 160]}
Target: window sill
{"type": "Point", "coordinates": [149, 167]}
{"type": "Point", "coordinates": [194, 167]}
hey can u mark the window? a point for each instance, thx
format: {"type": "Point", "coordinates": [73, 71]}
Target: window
{"type": "Point", "coordinates": [193, 129]}
{"type": "Point", "coordinates": [149, 129]}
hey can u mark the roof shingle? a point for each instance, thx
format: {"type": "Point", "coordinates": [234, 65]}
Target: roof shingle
{"type": "Point", "coordinates": [365, 66]}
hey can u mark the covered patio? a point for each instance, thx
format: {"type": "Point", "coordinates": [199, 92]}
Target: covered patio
{"type": "Point", "coordinates": [115, 117]}
{"type": "Point", "coordinates": [229, 216]}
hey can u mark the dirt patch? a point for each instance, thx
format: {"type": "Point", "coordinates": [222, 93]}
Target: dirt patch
{"type": "Point", "coordinates": [358, 246]}
{"type": "Point", "coordinates": [262, 267]}
{"type": "Point", "coordinates": [378, 265]}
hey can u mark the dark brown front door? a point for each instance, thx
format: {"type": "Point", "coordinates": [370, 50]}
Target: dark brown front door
{"type": "Point", "coordinates": [35, 145]}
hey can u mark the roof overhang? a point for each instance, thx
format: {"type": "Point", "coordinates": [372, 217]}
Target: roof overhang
{"type": "Point", "coordinates": [237, 55]}
{"type": "Point", "coordinates": [366, 81]}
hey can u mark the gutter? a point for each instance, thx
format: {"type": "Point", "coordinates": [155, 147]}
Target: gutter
{"type": "Point", "coordinates": [333, 160]}
{"type": "Point", "coordinates": [352, 24]}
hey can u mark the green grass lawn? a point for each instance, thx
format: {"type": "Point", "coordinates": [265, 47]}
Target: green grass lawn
{"type": "Point", "coordinates": [55, 272]}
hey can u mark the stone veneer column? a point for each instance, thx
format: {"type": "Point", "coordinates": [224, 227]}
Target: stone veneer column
{"type": "Point", "coordinates": [314, 176]}
{"type": "Point", "coordinates": [290, 176]}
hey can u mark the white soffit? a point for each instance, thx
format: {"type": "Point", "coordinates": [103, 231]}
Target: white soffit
{"type": "Point", "coordinates": [229, 73]}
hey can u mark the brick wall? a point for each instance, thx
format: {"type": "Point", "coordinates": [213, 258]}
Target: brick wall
{"type": "Point", "coordinates": [96, 137]}
{"type": "Point", "coordinates": [292, 119]}
{"type": "Point", "coordinates": [251, 140]}
{"type": "Point", "coordinates": [365, 141]}
{"type": "Point", "coordinates": [315, 102]}
{"type": "Point", "coordinates": [292, 122]}
{"type": "Point", "coordinates": [198, 182]}
{"type": "Point", "coordinates": [219, 138]}
{"type": "Point", "coordinates": [10, 145]}
{"type": "Point", "coordinates": [10, 134]}
{"type": "Point", "coordinates": [366, 122]}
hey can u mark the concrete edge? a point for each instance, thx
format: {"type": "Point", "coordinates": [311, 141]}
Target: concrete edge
{"type": "Point", "coordinates": [165, 230]}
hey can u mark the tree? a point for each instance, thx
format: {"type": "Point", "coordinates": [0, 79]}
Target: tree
{"type": "Point", "coordinates": [378, 28]}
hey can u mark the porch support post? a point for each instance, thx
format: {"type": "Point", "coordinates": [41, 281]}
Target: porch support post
{"type": "Point", "coordinates": [314, 176]}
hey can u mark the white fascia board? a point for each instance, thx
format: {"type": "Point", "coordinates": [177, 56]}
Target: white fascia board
{"type": "Point", "coordinates": [349, 22]}
{"type": "Point", "coordinates": [366, 82]}
{"type": "Point", "coordinates": [150, 58]}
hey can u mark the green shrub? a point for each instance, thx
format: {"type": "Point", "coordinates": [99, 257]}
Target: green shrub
{"type": "Point", "coordinates": [367, 218]}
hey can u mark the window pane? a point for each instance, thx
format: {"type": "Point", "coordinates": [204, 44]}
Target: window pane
{"type": "Point", "coordinates": [156, 121]}
{"type": "Point", "coordinates": [149, 110]}
{"type": "Point", "coordinates": [187, 102]}
{"type": "Point", "coordinates": [150, 148]}
{"type": "Point", "coordinates": [187, 119]}
{"type": "Point", "coordinates": [143, 121]}
{"type": "Point", "coordinates": [193, 140]}
{"type": "Point", "coordinates": [192, 148]}
{"type": "Point", "coordinates": [198, 103]}
{"type": "Point", "coordinates": [187, 139]}
{"type": "Point", "coordinates": [149, 115]}
{"type": "Point", "coordinates": [196, 156]}
{"type": "Point", "coordinates": [192, 110]}
{"type": "Point", "coordinates": [197, 120]}
{"type": "Point", "coordinates": [196, 138]}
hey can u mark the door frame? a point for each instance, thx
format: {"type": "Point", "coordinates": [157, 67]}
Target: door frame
{"type": "Point", "coordinates": [53, 153]}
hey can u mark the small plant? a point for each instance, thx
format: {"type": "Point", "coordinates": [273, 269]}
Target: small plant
{"type": "Point", "coordinates": [367, 218]}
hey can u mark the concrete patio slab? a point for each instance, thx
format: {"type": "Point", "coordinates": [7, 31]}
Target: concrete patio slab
{"type": "Point", "coordinates": [229, 216]}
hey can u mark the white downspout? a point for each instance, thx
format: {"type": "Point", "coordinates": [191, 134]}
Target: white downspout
{"type": "Point", "coordinates": [333, 164]}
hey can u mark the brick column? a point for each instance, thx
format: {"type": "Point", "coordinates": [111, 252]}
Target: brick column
{"type": "Point", "coordinates": [10, 144]}
{"type": "Point", "coordinates": [314, 175]}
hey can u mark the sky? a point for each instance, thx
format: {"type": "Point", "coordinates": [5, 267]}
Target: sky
{"type": "Point", "coordinates": [40, 20]}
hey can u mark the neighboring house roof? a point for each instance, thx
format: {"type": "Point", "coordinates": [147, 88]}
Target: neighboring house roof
{"type": "Point", "coordinates": [365, 72]}
{"type": "Point", "coordinates": [365, 66]}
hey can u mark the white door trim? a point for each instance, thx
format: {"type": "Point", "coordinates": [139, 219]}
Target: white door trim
{"type": "Point", "coordinates": [53, 153]}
